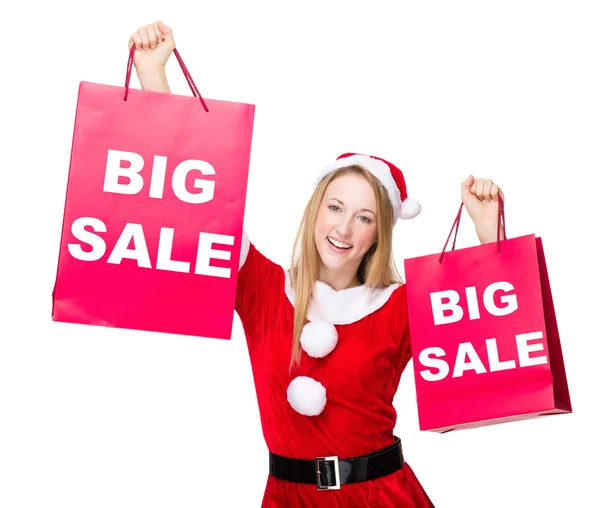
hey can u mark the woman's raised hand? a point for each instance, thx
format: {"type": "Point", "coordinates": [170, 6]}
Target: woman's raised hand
{"type": "Point", "coordinates": [154, 44]}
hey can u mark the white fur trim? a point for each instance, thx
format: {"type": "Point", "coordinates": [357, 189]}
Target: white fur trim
{"type": "Point", "coordinates": [307, 396]}
{"type": "Point", "coordinates": [244, 249]}
{"type": "Point", "coordinates": [341, 307]}
{"type": "Point", "coordinates": [409, 209]}
{"type": "Point", "coordinates": [318, 338]}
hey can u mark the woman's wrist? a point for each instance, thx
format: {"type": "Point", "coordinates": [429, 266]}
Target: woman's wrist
{"type": "Point", "coordinates": [154, 79]}
{"type": "Point", "coordinates": [488, 232]}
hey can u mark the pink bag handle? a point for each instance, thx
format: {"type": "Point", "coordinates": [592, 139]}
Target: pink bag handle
{"type": "Point", "coordinates": [186, 73]}
{"type": "Point", "coordinates": [501, 223]}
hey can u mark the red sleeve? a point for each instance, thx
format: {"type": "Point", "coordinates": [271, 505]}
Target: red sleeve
{"type": "Point", "coordinates": [405, 325]}
{"type": "Point", "coordinates": [257, 278]}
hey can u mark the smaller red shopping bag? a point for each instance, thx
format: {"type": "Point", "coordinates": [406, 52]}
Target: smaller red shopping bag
{"type": "Point", "coordinates": [154, 209]}
{"type": "Point", "coordinates": [485, 340]}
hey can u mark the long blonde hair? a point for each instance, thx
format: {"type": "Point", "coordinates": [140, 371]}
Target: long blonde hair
{"type": "Point", "coordinates": [377, 268]}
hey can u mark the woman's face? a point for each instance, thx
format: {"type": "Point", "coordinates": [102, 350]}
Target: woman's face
{"type": "Point", "coordinates": [346, 225]}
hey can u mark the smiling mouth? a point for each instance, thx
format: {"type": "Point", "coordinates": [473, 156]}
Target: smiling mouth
{"type": "Point", "coordinates": [339, 245]}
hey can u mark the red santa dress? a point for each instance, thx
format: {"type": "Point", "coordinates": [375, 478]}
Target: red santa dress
{"type": "Point", "coordinates": [338, 404]}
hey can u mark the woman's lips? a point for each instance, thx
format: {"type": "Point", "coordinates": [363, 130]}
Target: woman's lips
{"type": "Point", "coordinates": [338, 250]}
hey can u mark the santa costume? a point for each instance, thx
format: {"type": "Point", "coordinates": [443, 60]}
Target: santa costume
{"type": "Point", "coordinates": [329, 423]}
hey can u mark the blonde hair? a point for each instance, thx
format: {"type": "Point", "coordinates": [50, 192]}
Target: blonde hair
{"type": "Point", "coordinates": [377, 268]}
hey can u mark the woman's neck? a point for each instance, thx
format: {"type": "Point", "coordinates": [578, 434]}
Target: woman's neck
{"type": "Point", "coordinates": [339, 281]}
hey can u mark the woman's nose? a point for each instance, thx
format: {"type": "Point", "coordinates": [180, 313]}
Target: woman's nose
{"type": "Point", "coordinates": [344, 227]}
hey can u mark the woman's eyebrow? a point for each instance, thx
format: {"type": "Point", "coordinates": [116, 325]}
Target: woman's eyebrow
{"type": "Point", "coordinates": [361, 210]}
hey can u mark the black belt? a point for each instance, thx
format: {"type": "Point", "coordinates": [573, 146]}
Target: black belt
{"type": "Point", "coordinates": [329, 473]}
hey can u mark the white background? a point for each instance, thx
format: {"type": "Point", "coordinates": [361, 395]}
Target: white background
{"type": "Point", "coordinates": [96, 417]}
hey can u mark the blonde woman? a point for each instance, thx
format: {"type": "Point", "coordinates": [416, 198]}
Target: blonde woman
{"type": "Point", "coordinates": [329, 339]}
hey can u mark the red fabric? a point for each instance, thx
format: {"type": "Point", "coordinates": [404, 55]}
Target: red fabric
{"type": "Point", "coordinates": [361, 377]}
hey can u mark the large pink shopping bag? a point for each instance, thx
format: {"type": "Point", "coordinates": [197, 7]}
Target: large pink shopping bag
{"type": "Point", "coordinates": [485, 341]}
{"type": "Point", "coordinates": [154, 210]}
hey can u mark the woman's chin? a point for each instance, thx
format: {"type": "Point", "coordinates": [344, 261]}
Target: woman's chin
{"type": "Point", "coordinates": [333, 262]}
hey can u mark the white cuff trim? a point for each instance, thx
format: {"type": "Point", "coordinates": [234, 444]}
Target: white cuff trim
{"type": "Point", "coordinates": [244, 249]}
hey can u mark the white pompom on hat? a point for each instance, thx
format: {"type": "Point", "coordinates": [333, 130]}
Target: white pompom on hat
{"type": "Point", "coordinates": [389, 175]}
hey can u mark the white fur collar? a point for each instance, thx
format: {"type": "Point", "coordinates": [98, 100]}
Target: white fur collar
{"type": "Point", "coordinates": [341, 307]}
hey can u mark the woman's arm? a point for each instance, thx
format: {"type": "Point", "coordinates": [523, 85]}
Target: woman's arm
{"type": "Point", "coordinates": [488, 233]}
{"type": "Point", "coordinates": [154, 80]}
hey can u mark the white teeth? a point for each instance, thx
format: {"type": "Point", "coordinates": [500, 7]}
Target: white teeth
{"type": "Point", "coordinates": [338, 244]}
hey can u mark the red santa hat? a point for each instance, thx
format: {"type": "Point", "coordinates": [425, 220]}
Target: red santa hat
{"type": "Point", "coordinates": [389, 175]}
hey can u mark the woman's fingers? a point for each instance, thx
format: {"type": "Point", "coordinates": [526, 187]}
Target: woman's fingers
{"type": "Point", "coordinates": [157, 32]}
{"type": "Point", "coordinates": [143, 33]}
{"type": "Point", "coordinates": [477, 188]}
{"type": "Point", "coordinates": [152, 40]}
{"type": "Point", "coordinates": [494, 192]}
{"type": "Point", "coordinates": [137, 40]}
{"type": "Point", "coordinates": [487, 190]}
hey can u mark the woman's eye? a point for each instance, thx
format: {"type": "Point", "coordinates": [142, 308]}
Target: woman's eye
{"type": "Point", "coordinates": [365, 219]}
{"type": "Point", "coordinates": [334, 208]}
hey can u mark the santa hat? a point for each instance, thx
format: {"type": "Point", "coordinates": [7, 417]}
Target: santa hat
{"type": "Point", "coordinates": [389, 175]}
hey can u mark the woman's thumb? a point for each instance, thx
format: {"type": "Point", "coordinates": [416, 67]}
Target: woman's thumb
{"type": "Point", "coordinates": [164, 29]}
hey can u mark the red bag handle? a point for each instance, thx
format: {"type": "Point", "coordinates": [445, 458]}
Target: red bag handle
{"type": "Point", "coordinates": [501, 223]}
{"type": "Point", "coordinates": [186, 73]}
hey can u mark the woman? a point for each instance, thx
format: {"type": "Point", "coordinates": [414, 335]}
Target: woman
{"type": "Point", "coordinates": [329, 339]}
